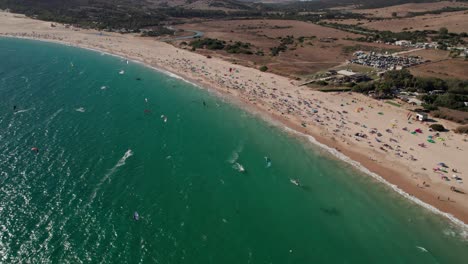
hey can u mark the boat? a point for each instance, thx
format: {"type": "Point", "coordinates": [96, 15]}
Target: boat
{"type": "Point", "coordinates": [241, 168]}
{"type": "Point", "coordinates": [136, 216]}
{"type": "Point", "coordinates": [121, 72]}
{"type": "Point", "coordinates": [294, 181]}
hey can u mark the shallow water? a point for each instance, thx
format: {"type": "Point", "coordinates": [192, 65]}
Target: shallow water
{"type": "Point", "coordinates": [104, 153]}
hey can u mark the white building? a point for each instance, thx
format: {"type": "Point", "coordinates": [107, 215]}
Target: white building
{"type": "Point", "coordinates": [402, 42]}
{"type": "Point", "coordinates": [346, 73]}
{"type": "Point", "coordinates": [421, 116]}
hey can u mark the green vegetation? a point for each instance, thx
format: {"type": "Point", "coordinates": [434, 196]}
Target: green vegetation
{"type": "Point", "coordinates": [122, 15]}
{"type": "Point", "coordinates": [239, 48]}
{"type": "Point", "coordinates": [208, 43]}
{"type": "Point", "coordinates": [393, 103]}
{"type": "Point", "coordinates": [284, 42]}
{"type": "Point", "coordinates": [216, 44]}
{"type": "Point", "coordinates": [334, 89]}
{"type": "Point", "coordinates": [157, 31]}
{"type": "Point", "coordinates": [263, 68]}
{"type": "Point", "coordinates": [437, 92]}
{"type": "Point", "coordinates": [437, 127]}
{"type": "Point", "coordinates": [438, 11]}
{"type": "Point", "coordinates": [443, 37]}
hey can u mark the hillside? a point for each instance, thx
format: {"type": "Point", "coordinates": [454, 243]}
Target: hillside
{"type": "Point", "coordinates": [133, 15]}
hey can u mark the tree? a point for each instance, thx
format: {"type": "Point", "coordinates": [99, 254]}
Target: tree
{"type": "Point", "coordinates": [394, 14]}
{"type": "Point", "coordinates": [443, 31]}
{"type": "Point", "coordinates": [437, 127]}
{"type": "Point", "coordinates": [264, 68]}
{"type": "Point", "coordinates": [399, 79]}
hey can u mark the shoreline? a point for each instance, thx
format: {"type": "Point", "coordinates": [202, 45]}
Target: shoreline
{"type": "Point", "coordinates": [347, 154]}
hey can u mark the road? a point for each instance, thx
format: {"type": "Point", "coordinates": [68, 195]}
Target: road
{"type": "Point", "coordinates": [196, 34]}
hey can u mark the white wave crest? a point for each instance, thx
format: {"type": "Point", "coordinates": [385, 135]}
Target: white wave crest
{"type": "Point", "coordinates": [23, 111]}
{"type": "Point", "coordinates": [235, 154]}
{"type": "Point", "coordinates": [238, 167]}
{"type": "Point", "coordinates": [120, 163]}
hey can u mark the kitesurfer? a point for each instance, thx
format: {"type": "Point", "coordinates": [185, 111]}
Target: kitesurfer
{"type": "Point", "coordinates": [136, 216]}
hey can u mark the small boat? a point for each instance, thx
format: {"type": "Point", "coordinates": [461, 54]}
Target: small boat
{"type": "Point", "coordinates": [268, 162]}
{"type": "Point", "coordinates": [241, 168]}
{"type": "Point", "coordinates": [121, 72]}
{"type": "Point", "coordinates": [294, 181]}
{"type": "Point", "coordinates": [136, 216]}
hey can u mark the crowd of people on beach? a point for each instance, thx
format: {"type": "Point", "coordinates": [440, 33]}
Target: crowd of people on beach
{"type": "Point", "coordinates": [384, 134]}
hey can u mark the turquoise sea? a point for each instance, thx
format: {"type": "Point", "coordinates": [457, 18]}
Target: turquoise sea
{"type": "Point", "coordinates": [105, 152]}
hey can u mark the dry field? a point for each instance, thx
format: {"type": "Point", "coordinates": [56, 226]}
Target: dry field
{"type": "Point", "coordinates": [403, 10]}
{"type": "Point", "coordinates": [431, 54]}
{"type": "Point", "coordinates": [300, 59]}
{"type": "Point", "coordinates": [347, 21]}
{"type": "Point", "coordinates": [444, 69]}
{"type": "Point", "coordinates": [454, 21]}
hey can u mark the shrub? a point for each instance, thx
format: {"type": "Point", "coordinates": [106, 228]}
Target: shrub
{"type": "Point", "coordinates": [322, 83]}
{"type": "Point", "coordinates": [462, 129]}
{"type": "Point", "coordinates": [437, 127]}
{"type": "Point", "coordinates": [264, 68]}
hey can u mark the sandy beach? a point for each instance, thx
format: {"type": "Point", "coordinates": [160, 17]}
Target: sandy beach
{"type": "Point", "coordinates": [380, 136]}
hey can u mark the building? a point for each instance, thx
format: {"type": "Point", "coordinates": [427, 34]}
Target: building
{"type": "Point", "coordinates": [421, 116]}
{"type": "Point", "coordinates": [403, 43]}
{"type": "Point", "coordinates": [353, 76]}
{"type": "Point", "coordinates": [346, 73]}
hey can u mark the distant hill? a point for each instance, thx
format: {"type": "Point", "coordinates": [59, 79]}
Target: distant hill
{"type": "Point", "coordinates": [381, 3]}
{"type": "Point", "coordinates": [132, 15]}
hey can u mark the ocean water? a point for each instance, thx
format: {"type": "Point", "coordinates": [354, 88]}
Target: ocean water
{"type": "Point", "coordinates": [106, 152]}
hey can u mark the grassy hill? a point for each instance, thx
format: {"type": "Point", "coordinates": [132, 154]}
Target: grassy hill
{"type": "Point", "coordinates": [132, 15]}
